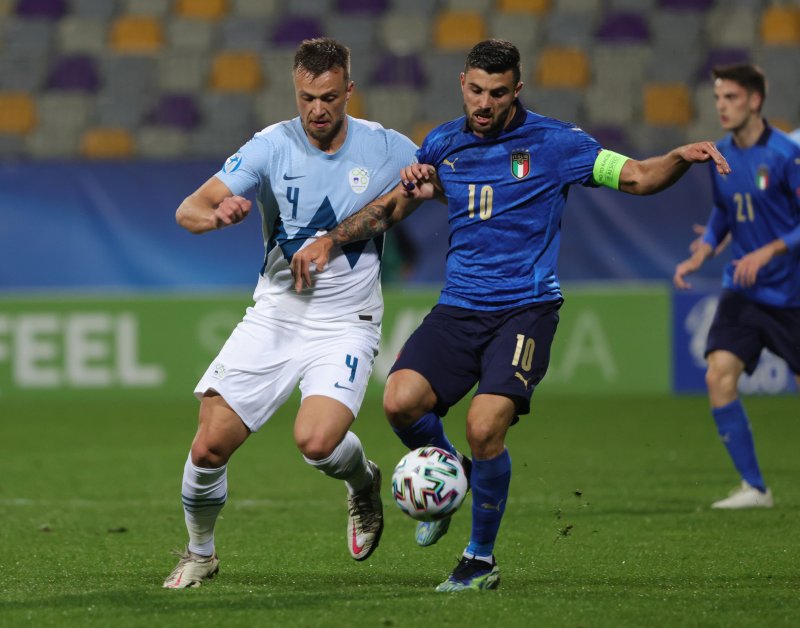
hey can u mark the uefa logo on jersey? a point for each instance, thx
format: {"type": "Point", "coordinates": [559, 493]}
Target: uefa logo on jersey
{"type": "Point", "coordinates": [520, 163]}
{"type": "Point", "coordinates": [232, 163]}
{"type": "Point", "coordinates": [359, 180]}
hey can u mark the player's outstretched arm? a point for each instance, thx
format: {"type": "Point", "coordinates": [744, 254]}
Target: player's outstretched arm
{"type": "Point", "coordinates": [417, 184]}
{"type": "Point", "coordinates": [658, 173]}
{"type": "Point", "coordinates": [688, 266]}
{"type": "Point", "coordinates": [211, 206]}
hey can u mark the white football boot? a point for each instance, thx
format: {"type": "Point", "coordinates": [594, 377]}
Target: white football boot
{"type": "Point", "coordinates": [745, 496]}
{"type": "Point", "coordinates": [191, 570]}
{"type": "Point", "coordinates": [365, 517]}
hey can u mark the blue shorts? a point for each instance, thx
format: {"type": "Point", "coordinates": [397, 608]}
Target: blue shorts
{"type": "Point", "coordinates": [505, 352]}
{"type": "Point", "coordinates": [745, 327]}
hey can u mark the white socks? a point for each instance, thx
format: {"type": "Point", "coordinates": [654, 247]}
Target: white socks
{"type": "Point", "coordinates": [203, 492]}
{"type": "Point", "coordinates": [347, 462]}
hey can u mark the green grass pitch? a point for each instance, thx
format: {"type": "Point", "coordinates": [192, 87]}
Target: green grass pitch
{"type": "Point", "coordinates": [607, 523]}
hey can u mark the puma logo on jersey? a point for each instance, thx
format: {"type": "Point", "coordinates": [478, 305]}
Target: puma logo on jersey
{"type": "Point", "coordinates": [527, 381]}
{"type": "Point", "coordinates": [452, 164]}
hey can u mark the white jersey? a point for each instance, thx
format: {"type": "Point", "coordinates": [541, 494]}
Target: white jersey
{"type": "Point", "coordinates": [302, 193]}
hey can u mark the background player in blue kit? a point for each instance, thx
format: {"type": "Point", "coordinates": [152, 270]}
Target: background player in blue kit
{"type": "Point", "coordinates": [309, 173]}
{"type": "Point", "coordinates": [505, 173]}
{"type": "Point", "coordinates": [758, 204]}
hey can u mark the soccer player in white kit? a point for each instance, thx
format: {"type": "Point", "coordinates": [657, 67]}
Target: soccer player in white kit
{"type": "Point", "coordinates": [309, 173]}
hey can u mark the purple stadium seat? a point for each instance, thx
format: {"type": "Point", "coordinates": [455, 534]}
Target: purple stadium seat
{"type": "Point", "coordinates": [77, 72]}
{"type": "Point", "coordinates": [369, 7]}
{"type": "Point", "coordinates": [687, 5]}
{"type": "Point", "coordinates": [623, 26]}
{"type": "Point", "coordinates": [393, 69]}
{"type": "Point", "coordinates": [175, 110]}
{"type": "Point", "coordinates": [722, 56]}
{"type": "Point", "coordinates": [293, 29]}
{"type": "Point", "coordinates": [51, 9]}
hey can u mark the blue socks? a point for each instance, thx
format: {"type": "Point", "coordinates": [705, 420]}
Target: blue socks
{"type": "Point", "coordinates": [428, 430]}
{"type": "Point", "coordinates": [490, 481]}
{"type": "Point", "coordinates": [734, 430]}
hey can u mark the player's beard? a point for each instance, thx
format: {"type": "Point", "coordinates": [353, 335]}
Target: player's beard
{"type": "Point", "coordinates": [325, 136]}
{"type": "Point", "coordinates": [495, 126]}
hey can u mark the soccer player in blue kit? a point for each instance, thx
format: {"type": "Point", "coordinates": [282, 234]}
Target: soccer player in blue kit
{"type": "Point", "coordinates": [308, 174]}
{"type": "Point", "coordinates": [758, 204]}
{"type": "Point", "coordinates": [505, 173]}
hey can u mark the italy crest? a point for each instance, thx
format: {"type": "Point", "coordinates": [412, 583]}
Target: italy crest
{"type": "Point", "coordinates": [520, 163]}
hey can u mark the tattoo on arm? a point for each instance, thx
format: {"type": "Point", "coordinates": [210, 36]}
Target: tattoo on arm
{"type": "Point", "coordinates": [367, 223]}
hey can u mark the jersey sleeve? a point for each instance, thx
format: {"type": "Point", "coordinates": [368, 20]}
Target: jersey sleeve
{"type": "Point", "coordinates": [580, 151]}
{"type": "Point", "coordinates": [247, 168]}
{"type": "Point", "coordinates": [792, 173]}
{"type": "Point", "coordinates": [718, 225]}
{"type": "Point", "coordinates": [402, 151]}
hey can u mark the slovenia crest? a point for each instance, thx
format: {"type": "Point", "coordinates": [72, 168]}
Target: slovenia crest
{"type": "Point", "coordinates": [520, 164]}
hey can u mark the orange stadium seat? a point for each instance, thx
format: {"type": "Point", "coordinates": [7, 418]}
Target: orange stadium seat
{"type": "Point", "coordinates": [562, 67]}
{"type": "Point", "coordinates": [355, 106]}
{"type": "Point", "coordinates": [458, 30]}
{"type": "Point", "coordinates": [136, 34]}
{"type": "Point", "coordinates": [236, 72]}
{"type": "Point", "coordinates": [104, 143]}
{"type": "Point", "coordinates": [780, 26]}
{"type": "Point", "coordinates": [421, 130]}
{"type": "Point", "coordinates": [523, 6]}
{"type": "Point", "coordinates": [667, 104]}
{"type": "Point", "coordinates": [202, 9]}
{"type": "Point", "coordinates": [17, 113]}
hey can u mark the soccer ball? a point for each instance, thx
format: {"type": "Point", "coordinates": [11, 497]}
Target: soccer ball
{"type": "Point", "coordinates": [429, 484]}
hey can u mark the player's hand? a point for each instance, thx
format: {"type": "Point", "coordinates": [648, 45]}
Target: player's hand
{"type": "Point", "coordinates": [232, 210]}
{"type": "Point", "coordinates": [420, 181]}
{"type": "Point", "coordinates": [704, 151]}
{"type": "Point", "coordinates": [746, 269]}
{"type": "Point", "coordinates": [689, 266]}
{"type": "Point", "coordinates": [318, 253]}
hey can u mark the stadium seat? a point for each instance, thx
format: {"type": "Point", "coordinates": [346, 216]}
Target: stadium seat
{"type": "Point", "coordinates": [292, 29]}
{"type": "Point", "coordinates": [722, 56]}
{"type": "Point", "coordinates": [202, 9]}
{"type": "Point", "coordinates": [127, 74]}
{"type": "Point", "coordinates": [275, 105]}
{"type": "Point", "coordinates": [158, 142]}
{"type": "Point", "coordinates": [63, 110]}
{"type": "Point", "coordinates": [114, 109]}
{"type": "Point", "coordinates": [23, 70]}
{"type": "Point", "coordinates": [564, 104]}
{"type": "Point", "coordinates": [175, 110]}
{"type": "Point", "coordinates": [562, 67]}
{"type": "Point", "coordinates": [238, 32]}
{"type": "Point", "coordinates": [359, 32]}
{"type": "Point", "coordinates": [136, 34]}
{"type": "Point", "coordinates": [17, 113]}
{"type": "Point", "coordinates": [355, 106]}
{"type": "Point", "coordinates": [77, 34]}
{"type": "Point", "coordinates": [394, 107]}
{"type": "Point", "coordinates": [158, 8]}
{"type": "Point", "coordinates": [256, 8]}
{"type": "Point", "coordinates": [183, 70]}
{"type": "Point", "coordinates": [74, 72]}
{"type": "Point", "coordinates": [35, 34]}
{"type": "Point", "coordinates": [416, 7]}
{"type": "Point", "coordinates": [107, 143]}
{"type": "Point", "coordinates": [577, 6]}
{"type": "Point", "coordinates": [102, 9]}
{"type": "Point", "coordinates": [458, 30]}
{"type": "Point", "coordinates": [569, 29]}
{"type": "Point", "coordinates": [524, 29]}
{"type": "Point", "coordinates": [645, 7]}
{"type": "Point", "coordinates": [399, 70]}
{"type": "Point", "coordinates": [687, 5]}
{"type": "Point", "coordinates": [189, 34]}
{"type": "Point", "coordinates": [731, 27]}
{"type": "Point", "coordinates": [421, 129]}
{"type": "Point", "coordinates": [52, 143]}
{"type": "Point", "coordinates": [236, 72]}
{"type": "Point", "coordinates": [370, 7]}
{"type": "Point", "coordinates": [49, 9]}
{"type": "Point", "coordinates": [625, 26]}
{"type": "Point", "coordinates": [609, 104]}
{"type": "Point", "coordinates": [478, 6]}
{"type": "Point", "coordinates": [780, 26]}
{"type": "Point", "coordinates": [6, 8]}
{"type": "Point", "coordinates": [523, 6]}
{"type": "Point", "coordinates": [401, 32]}
{"type": "Point", "coordinates": [667, 104]}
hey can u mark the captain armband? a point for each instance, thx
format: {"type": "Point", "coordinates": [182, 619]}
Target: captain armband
{"type": "Point", "coordinates": [607, 167]}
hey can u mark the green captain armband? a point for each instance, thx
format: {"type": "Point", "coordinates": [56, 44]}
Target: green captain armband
{"type": "Point", "coordinates": [607, 167]}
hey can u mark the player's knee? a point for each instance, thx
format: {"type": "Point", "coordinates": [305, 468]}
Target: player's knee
{"type": "Point", "coordinates": [315, 446]}
{"type": "Point", "coordinates": [484, 441]}
{"type": "Point", "coordinates": [720, 380]}
{"type": "Point", "coordinates": [399, 410]}
{"type": "Point", "coordinates": [207, 456]}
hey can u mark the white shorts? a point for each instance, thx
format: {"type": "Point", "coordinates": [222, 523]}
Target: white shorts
{"type": "Point", "coordinates": [271, 351]}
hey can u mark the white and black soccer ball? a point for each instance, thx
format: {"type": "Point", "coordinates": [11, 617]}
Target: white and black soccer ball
{"type": "Point", "coordinates": [429, 484]}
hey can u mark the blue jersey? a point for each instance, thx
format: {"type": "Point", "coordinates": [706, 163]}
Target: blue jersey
{"type": "Point", "coordinates": [506, 195]}
{"type": "Point", "coordinates": [758, 202]}
{"type": "Point", "coordinates": [302, 193]}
